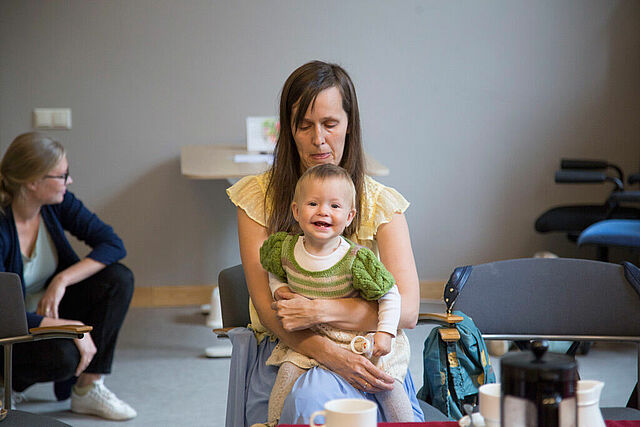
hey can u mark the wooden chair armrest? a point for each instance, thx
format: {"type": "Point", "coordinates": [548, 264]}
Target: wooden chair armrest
{"type": "Point", "coordinates": [70, 329]}
{"type": "Point", "coordinates": [440, 317]}
{"type": "Point", "coordinates": [447, 334]}
{"type": "Point", "coordinates": [223, 332]}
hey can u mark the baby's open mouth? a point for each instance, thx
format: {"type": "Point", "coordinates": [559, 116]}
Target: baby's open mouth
{"type": "Point", "coordinates": [321, 224]}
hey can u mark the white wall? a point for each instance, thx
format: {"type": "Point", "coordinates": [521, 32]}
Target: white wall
{"type": "Point", "coordinates": [470, 104]}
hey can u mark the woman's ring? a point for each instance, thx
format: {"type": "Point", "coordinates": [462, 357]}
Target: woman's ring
{"type": "Point", "coordinates": [366, 385]}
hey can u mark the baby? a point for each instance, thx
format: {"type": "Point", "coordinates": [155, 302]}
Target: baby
{"type": "Point", "coordinates": [321, 263]}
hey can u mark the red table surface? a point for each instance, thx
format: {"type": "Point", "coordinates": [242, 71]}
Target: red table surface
{"type": "Point", "coordinates": [453, 424]}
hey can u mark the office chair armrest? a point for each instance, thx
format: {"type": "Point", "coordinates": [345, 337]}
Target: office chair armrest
{"type": "Point", "coordinates": [69, 329]}
{"type": "Point", "coordinates": [625, 196]}
{"type": "Point", "coordinates": [223, 332]}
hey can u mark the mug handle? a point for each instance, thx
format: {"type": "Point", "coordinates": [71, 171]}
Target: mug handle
{"type": "Point", "coordinates": [313, 417]}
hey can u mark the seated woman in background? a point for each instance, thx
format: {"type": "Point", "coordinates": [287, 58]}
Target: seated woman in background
{"type": "Point", "coordinates": [319, 123]}
{"type": "Point", "coordinates": [35, 211]}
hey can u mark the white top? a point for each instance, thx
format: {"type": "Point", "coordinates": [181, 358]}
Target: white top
{"type": "Point", "coordinates": [38, 268]}
{"type": "Point", "coordinates": [389, 305]}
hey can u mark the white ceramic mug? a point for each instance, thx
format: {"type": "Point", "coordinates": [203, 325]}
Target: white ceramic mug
{"type": "Point", "coordinates": [347, 412]}
{"type": "Point", "coordinates": [489, 402]}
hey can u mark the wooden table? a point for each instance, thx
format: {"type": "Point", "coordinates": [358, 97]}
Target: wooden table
{"type": "Point", "coordinates": [216, 162]}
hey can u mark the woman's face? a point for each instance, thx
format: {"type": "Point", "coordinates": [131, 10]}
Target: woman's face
{"type": "Point", "coordinates": [50, 189]}
{"type": "Point", "coordinates": [321, 136]}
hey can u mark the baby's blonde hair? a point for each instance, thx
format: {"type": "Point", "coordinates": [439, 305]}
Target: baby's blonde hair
{"type": "Point", "coordinates": [322, 172]}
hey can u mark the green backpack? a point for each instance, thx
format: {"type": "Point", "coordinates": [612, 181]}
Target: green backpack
{"type": "Point", "coordinates": [453, 371]}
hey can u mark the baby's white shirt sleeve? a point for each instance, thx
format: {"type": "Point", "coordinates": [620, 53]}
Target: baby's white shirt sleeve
{"type": "Point", "coordinates": [389, 308]}
{"type": "Point", "coordinates": [275, 283]}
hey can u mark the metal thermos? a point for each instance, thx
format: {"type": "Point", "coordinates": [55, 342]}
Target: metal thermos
{"type": "Point", "coordinates": [538, 389]}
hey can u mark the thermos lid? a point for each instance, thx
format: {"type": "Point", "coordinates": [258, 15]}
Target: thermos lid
{"type": "Point", "coordinates": [537, 367]}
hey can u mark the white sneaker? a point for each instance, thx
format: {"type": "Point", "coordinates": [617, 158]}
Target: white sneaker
{"type": "Point", "coordinates": [102, 402]}
{"type": "Point", "coordinates": [16, 397]}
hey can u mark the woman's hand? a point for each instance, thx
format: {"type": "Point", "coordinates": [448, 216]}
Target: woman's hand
{"type": "Point", "coordinates": [87, 350]}
{"type": "Point", "coordinates": [294, 311]}
{"type": "Point", "coordinates": [85, 345]}
{"type": "Point", "coordinates": [358, 371]}
{"type": "Point", "coordinates": [48, 305]}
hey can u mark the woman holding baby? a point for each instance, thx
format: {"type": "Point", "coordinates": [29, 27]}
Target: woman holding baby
{"type": "Point", "coordinates": [320, 123]}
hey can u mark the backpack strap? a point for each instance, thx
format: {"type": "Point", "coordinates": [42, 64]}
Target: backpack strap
{"type": "Point", "coordinates": [455, 284]}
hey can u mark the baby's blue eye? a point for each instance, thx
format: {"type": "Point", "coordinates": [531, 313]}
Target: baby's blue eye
{"type": "Point", "coordinates": [335, 206]}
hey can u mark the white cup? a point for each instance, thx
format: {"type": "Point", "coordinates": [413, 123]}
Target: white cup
{"type": "Point", "coordinates": [478, 421]}
{"type": "Point", "coordinates": [347, 412]}
{"type": "Point", "coordinates": [489, 397]}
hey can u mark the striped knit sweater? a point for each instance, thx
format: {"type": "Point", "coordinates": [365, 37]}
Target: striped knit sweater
{"type": "Point", "coordinates": [359, 271]}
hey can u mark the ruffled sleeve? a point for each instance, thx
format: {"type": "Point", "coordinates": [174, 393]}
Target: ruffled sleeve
{"type": "Point", "coordinates": [369, 275]}
{"type": "Point", "coordinates": [379, 204]}
{"type": "Point", "coordinates": [248, 194]}
{"type": "Point", "coordinates": [271, 255]}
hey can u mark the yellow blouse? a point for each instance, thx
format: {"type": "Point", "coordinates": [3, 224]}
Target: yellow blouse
{"type": "Point", "coordinates": [380, 203]}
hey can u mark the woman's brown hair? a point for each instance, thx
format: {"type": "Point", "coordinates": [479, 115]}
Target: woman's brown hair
{"type": "Point", "coordinates": [299, 91]}
{"type": "Point", "coordinates": [29, 157]}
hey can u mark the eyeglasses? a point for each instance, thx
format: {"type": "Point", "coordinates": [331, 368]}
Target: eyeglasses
{"type": "Point", "coordinates": [64, 177]}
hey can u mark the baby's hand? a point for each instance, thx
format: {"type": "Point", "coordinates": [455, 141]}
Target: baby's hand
{"type": "Point", "coordinates": [283, 292]}
{"type": "Point", "coordinates": [381, 344]}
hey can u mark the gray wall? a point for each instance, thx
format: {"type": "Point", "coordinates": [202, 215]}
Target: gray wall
{"type": "Point", "coordinates": [470, 104]}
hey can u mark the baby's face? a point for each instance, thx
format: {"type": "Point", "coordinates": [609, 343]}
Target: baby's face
{"type": "Point", "coordinates": [324, 208]}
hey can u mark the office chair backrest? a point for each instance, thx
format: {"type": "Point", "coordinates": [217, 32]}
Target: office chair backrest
{"type": "Point", "coordinates": [234, 297]}
{"type": "Point", "coordinates": [13, 320]}
{"type": "Point", "coordinates": [540, 296]}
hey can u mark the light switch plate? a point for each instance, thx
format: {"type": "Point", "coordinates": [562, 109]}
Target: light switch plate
{"type": "Point", "coordinates": [52, 118]}
{"type": "Point", "coordinates": [42, 118]}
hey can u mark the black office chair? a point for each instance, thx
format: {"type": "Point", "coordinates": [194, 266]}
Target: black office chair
{"type": "Point", "coordinates": [573, 219]}
{"type": "Point", "coordinates": [555, 299]}
{"type": "Point", "coordinates": [234, 298]}
{"type": "Point", "coordinates": [13, 330]}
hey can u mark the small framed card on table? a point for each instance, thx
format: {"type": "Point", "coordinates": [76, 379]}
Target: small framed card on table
{"type": "Point", "coordinates": [262, 134]}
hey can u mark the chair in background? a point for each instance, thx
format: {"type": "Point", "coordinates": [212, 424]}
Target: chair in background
{"type": "Point", "coordinates": [573, 219]}
{"type": "Point", "coordinates": [234, 296]}
{"type": "Point", "coordinates": [615, 232]}
{"type": "Point", "coordinates": [555, 299]}
{"type": "Point", "coordinates": [13, 330]}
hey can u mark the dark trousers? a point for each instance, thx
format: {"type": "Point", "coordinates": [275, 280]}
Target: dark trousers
{"type": "Point", "coordinates": [101, 301]}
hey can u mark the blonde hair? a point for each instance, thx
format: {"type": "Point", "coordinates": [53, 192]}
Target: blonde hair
{"type": "Point", "coordinates": [29, 157]}
{"type": "Point", "coordinates": [328, 171]}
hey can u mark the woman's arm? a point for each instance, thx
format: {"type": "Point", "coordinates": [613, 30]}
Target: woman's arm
{"type": "Point", "coordinates": [48, 305]}
{"type": "Point", "coordinates": [394, 245]}
{"type": "Point", "coordinates": [356, 369]}
{"type": "Point", "coordinates": [85, 345]}
{"type": "Point", "coordinates": [106, 245]}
